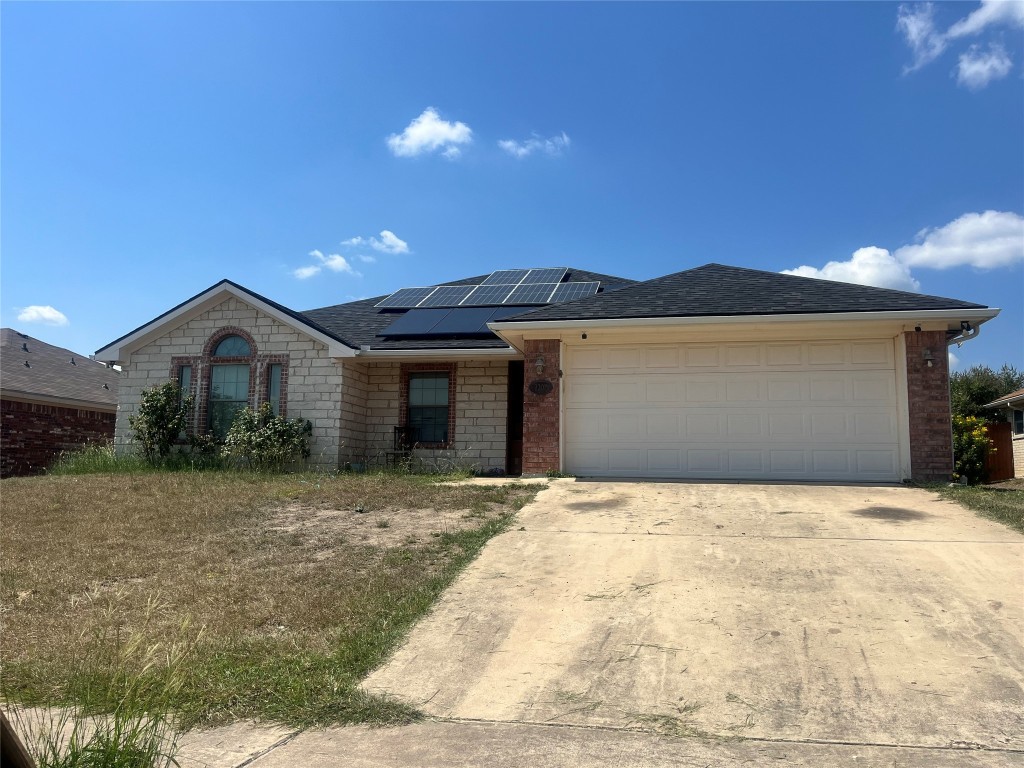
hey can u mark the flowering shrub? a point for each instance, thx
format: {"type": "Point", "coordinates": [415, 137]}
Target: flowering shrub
{"type": "Point", "coordinates": [970, 446]}
{"type": "Point", "coordinates": [262, 441]}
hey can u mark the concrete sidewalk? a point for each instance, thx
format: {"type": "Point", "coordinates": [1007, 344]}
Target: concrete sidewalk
{"type": "Point", "coordinates": [497, 745]}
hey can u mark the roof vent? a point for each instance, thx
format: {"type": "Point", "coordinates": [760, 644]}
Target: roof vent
{"type": "Point", "coordinates": [72, 361]}
{"type": "Point", "coordinates": [105, 386]}
{"type": "Point", "coordinates": [24, 347]}
{"type": "Point", "coordinates": [27, 365]}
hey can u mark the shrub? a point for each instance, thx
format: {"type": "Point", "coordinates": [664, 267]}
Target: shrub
{"type": "Point", "coordinates": [970, 446]}
{"type": "Point", "coordinates": [262, 441]}
{"type": "Point", "coordinates": [162, 417]}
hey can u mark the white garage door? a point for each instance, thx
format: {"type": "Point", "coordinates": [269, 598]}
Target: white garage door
{"type": "Point", "coordinates": [777, 410]}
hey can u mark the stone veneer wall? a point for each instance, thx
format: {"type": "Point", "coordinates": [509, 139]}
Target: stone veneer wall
{"type": "Point", "coordinates": [542, 412]}
{"type": "Point", "coordinates": [931, 426]}
{"type": "Point", "coordinates": [1018, 455]}
{"type": "Point", "coordinates": [481, 407]}
{"type": "Point", "coordinates": [314, 379]}
{"type": "Point", "coordinates": [32, 435]}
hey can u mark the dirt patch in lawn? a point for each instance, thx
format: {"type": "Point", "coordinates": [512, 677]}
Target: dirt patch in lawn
{"type": "Point", "coordinates": [319, 528]}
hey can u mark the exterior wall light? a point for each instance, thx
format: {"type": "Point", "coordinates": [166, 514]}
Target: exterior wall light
{"type": "Point", "coordinates": [540, 365]}
{"type": "Point", "coordinates": [928, 357]}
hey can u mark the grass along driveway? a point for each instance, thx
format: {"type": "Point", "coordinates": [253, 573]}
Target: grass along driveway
{"type": "Point", "coordinates": [285, 591]}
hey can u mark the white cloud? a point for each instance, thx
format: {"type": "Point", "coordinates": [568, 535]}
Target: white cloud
{"type": "Point", "coordinates": [990, 13]}
{"type": "Point", "coordinates": [389, 243]}
{"type": "Point", "coordinates": [917, 23]}
{"type": "Point", "coordinates": [978, 68]}
{"type": "Point", "coordinates": [927, 42]}
{"type": "Point", "coordinates": [429, 133]}
{"type": "Point", "coordinates": [553, 146]}
{"type": "Point", "coordinates": [333, 261]}
{"type": "Point", "coordinates": [982, 240]}
{"type": "Point", "coordinates": [954, 361]}
{"type": "Point", "coordinates": [868, 266]}
{"type": "Point", "coordinates": [366, 259]}
{"type": "Point", "coordinates": [304, 273]}
{"type": "Point", "coordinates": [44, 314]}
{"type": "Point", "coordinates": [353, 241]}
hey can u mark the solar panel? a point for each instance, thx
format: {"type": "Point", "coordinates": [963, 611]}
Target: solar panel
{"type": "Point", "coordinates": [447, 296]}
{"type": "Point", "coordinates": [538, 293]}
{"type": "Point", "coordinates": [506, 277]}
{"type": "Point", "coordinates": [553, 275]}
{"type": "Point", "coordinates": [464, 321]}
{"type": "Point", "coordinates": [415, 322]}
{"type": "Point", "coordinates": [405, 297]}
{"type": "Point", "coordinates": [487, 294]}
{"type": "Point", "coordinates": [570, 291]}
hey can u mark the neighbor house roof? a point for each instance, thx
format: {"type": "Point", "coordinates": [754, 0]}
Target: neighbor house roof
{"type": "Point", "coordinates": [1007, 401]}
{"type": "Point", "coordinates": [719, 290]}
{"type": "Point", "coordinates": [33, 369]}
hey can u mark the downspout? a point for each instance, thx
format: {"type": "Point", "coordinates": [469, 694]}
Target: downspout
{"type": "Point", "coordinates": [966, 333]}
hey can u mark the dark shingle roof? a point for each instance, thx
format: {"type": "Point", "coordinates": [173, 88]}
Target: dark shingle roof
{"type": "Point", "coordinates": [51, 373]}
{"type": "Point", "coordinates": [358, 323]}
{"type": "Point", "coordinates": [718, 290]}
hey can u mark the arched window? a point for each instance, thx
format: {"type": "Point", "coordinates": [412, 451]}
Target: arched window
{"type": "Point", "coordinates": [232, 346]}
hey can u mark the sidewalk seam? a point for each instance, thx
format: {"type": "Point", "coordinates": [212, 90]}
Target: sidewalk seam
{"type": "Point", "coordinates": [264, 752]}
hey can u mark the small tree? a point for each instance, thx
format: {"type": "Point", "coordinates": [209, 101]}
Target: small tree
{"type": "Point", "coordinates": [979, 385]}
{"type": "Point", "coordinates": [162, 417]}
{"type": "Point", "coordinates": [262, 441]}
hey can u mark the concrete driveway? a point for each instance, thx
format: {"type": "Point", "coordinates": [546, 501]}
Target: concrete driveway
{"type": "Point", "coordinates": [788, 613]}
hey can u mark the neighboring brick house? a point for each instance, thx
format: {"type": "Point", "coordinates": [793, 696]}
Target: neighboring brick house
{"type": "Point", "coordinates": [51, 400]}
{"type": "Point", "coordinates": [1012, 407]}
{"type": "Point", "coordinates": [713, 372]}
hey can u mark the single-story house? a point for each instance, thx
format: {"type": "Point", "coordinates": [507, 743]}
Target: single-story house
{"type": "Point", "coordinates": [1012, 407]}
{"type": "Point", "coordinates": [713, 372]}
{"type": "Point", "coordinates": [51, 400]}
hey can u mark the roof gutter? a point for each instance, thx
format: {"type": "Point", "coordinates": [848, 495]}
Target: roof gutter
{"type": "Point", "coordinates": [980, 315]}
{"type": "Point", "coordinates": [503, 353]}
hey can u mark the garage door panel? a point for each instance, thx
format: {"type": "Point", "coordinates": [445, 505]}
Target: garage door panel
{"type": "Point", "coordinates": [800, 410]}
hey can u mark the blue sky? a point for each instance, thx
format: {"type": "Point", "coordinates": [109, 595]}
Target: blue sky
{"type": "Point", "coordinates": [321, 152]}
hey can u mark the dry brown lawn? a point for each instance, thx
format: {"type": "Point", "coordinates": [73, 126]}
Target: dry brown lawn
{"type": "Point", "coordinates": [301, 584]}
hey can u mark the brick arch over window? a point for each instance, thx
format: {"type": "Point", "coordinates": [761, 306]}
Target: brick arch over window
{"type": "Point", "coordinates": [222, 333]}
{"type": "Point", "coordinates": [200, 370]}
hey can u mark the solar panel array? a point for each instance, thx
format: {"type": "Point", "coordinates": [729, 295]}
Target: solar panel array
{"type": "Point", "coordinates": [507, 286]}
{"type": "Point", "coordinates": [457, 321]}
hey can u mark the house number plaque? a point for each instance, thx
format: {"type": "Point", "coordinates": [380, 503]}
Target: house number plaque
{"type": "Point", "coordinates": [541, 387]}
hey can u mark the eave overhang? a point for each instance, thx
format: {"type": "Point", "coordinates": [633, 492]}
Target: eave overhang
{"type": "Point", "coordinates": [950, 320]}
{"type": "Point", "coordinates": [117, 351]}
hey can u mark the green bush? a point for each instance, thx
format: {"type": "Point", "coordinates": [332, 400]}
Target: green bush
{"type": "Point", "coordinates": [261, 441]}
{"type": "Point", "coordinates": [970, 446]}
{"type": "Point", "coordinates": [161, 419]}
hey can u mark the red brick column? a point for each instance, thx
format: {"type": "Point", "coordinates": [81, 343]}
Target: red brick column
{"type": "Point", "coordinates": [541, 412]}
{"type": "Point", "coordinates": [931, 427]}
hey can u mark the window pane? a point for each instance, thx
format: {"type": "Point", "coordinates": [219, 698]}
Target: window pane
{"type": "Point", "coordinates": [430, 425]}
{"type": "Point", "coordinates": [229, 393]}
{"type": "Point", "coordinates": [1018, 422]}
{"type": "Point", "coordinates": [428, 407]}
{"type": "Point", "coordinates": [232, 346]}
{"type": "Point", "coordinates": [274, 389]}
{"type": "Point", "coordinates": [184, 380]}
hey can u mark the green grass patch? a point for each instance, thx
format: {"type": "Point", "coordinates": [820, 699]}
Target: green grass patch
{"type": "Point", "coordinates": [288, 595]}
{"type": "Point", "coordinates": [1004, 505]}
